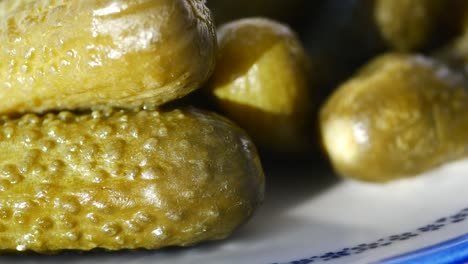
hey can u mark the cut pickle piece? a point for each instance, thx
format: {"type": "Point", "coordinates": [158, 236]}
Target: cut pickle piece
{"type": "Point", "coordinates": [262, 82]}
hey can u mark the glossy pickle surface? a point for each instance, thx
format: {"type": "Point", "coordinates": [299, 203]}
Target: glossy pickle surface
{"type": "Point", "coordinates": [399, 116]}
{"type": "Point", "coordinates": [262, 82]}
{"type": "Point", "coordinates": [70, 54]}
{"type": "Point", "coordinates": [120, 179]}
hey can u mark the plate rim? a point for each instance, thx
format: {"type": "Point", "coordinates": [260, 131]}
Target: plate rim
{"type": "Point", "coordinates": [442, 252]}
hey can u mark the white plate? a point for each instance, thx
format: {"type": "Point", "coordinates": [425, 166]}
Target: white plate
{"type": "Point", "coordinates": [310, 216]}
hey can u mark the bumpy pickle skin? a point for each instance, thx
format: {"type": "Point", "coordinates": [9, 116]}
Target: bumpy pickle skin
{"type": "Point", "coordinates": [400, 116]}
{"type": "Point", "coordinates": [69, 54]}
{"type": "Point", "coordinates": [123, 180]}
{"type": "Point", "coordinates": [261, 82]}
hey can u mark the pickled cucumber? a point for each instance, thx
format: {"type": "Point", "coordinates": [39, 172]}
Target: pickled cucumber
{"type": "Point", "coordinates": [6, 7]}
{"type": "Point", "coordinates": [408, 24]}
{"type": "Point", "coordinates": [79, 54]}
{"type": "Point", "coordinates": [400, 116]}
{"type": "Point", "coordinates": [116, 179]}
{"type": "Point", "coordinates": [261, 82]}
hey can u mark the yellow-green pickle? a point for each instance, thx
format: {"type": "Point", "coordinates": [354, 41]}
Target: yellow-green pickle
{"type": "Point", "coordinates": [69, 54]}
{"type": "Point", "coordinates": [118, 179]}
{"type": "Point", "coordinates": [400, 116]}
{"type": "Point", "coordinates": [261, 82]}
{"type": "Point", "coordinates": [408, 24]}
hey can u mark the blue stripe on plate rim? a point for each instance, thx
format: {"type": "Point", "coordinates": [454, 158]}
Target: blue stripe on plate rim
{"type": "Point", "coordinates": [451, 251]}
